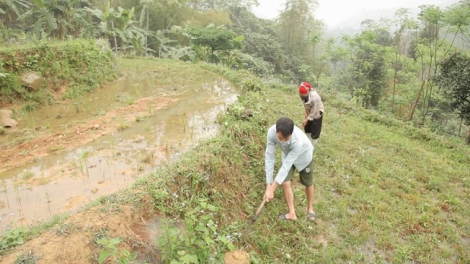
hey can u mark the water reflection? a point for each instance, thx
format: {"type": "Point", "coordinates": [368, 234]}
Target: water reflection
{"type": "Point", "coordinates": [64, 183]}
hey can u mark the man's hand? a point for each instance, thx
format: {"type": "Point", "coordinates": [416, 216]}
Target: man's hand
{"type": "Point", "coordinates": [269, 193]}
{"type": "Point", "coordinates": [304, 123]}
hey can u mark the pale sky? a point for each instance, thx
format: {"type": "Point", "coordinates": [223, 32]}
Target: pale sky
{"type": "Point", "coordinates": [334, 11]}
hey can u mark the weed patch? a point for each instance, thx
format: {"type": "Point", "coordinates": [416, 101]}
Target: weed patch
{"type": "Point", "coordinates": [110, 251]}
{"type": "Point", "coordinates": [12, 238]}
{"type": "Point", "coordinates": [80, 65]}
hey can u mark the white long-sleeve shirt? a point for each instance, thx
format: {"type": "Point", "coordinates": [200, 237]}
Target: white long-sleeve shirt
{"type": "Point", "coordinates": [298, 152]}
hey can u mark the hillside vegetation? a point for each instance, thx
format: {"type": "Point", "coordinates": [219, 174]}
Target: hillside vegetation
{"type": "Point", "coordinates": [66, 70]}
{"type": "Point", "coordinates": [391, 174]}
{"type": "Point", "coordinates": [386, 192]}
{"type": "Point", "coordinates": [397, 65]}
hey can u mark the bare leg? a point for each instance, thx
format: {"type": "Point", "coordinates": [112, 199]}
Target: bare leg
{"type": "Point", "coordinates": [289, 196]}
{"type": "Point", "coordinates": [309, 190]}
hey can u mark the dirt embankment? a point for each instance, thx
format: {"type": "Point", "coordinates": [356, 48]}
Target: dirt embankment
{"type": "Point", "coordinates": [75, 240]}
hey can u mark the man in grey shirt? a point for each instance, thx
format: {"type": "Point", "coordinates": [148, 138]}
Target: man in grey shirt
{"type": "Point", "coordinates": [296, 153]}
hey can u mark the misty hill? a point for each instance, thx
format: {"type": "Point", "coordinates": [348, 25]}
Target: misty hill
{"type": "Point", "coordinates": [352, 25]}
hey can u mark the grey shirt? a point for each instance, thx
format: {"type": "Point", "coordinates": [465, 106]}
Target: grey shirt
{"type": "Point", "coordinates": [314, 105]}
{"type": "Point", "coordinates": [298, 151]}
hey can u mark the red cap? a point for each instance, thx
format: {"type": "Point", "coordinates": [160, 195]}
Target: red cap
{"type": "Point", "coordinates": [304, 88]}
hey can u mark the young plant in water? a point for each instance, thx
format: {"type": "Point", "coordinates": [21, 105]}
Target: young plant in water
{"type": "Point", "coordinates": [27, 175]}
{"type": "Point", "coordinates": [18, 197]}
{"type": "Point", "coordinates": [30, 120]}
{"type": "Point", "coordinates": [48, 197]}
{"type": "Point", "coordinates": [129, 100]}
{"type": "Point", "coordinates": [185, 123]}
{"type": "Point", "coordinates": [122, 123]}
{"type": "Point", "coordinates": [84, 161]}
{"type": "Point", "coordinates": [5, 191]}
{"type": "Point", "coordinates": [148, 126]}
{"type": "Point", "coordinates": [76, 107]}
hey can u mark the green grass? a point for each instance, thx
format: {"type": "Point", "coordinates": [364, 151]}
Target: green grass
{"type": "Point", "coordinates": [385, 192]}
{"type": "Point", "coordinates": [403, 196]}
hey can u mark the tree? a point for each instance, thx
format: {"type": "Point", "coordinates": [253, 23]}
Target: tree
{"type": "Point", "coordinates": [429, 47]}
{"type": "Point", "coordinates": [119, 23]}
{"type": "Point", "coordinates": [217, 38]}
{"type": "Point", "coordinates": [299, 32]}
{"type": "Point", "coordinates": [260, 40]}
{"type": "Point", "coordinates": [321, 65]}
{"type": "Point", "coordinates": [454, 78]}
{"type": "Point", "coordinates": [457, 17]}
{"type": "Point", "coordinates": [10, 10]}
{"type": "Point", "coordinates": [222, 4]}
{"type": "Point", "coordinates": [57, 18]}
{"type": "Point", "coordinates": [403, 23]}
{"type": "Point", "coordinates": [363, 67]}
{"type": "Point", "coordinates": [145, 18]}
{"type": "Point", "coordinates": [295, 24]}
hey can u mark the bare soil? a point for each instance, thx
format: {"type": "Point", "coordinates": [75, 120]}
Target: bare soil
{"type": "Point", "coordinates": [75, 240]}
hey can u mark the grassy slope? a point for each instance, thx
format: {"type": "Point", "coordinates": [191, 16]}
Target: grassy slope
{"type": "Point", "coordinates": [385, 192]}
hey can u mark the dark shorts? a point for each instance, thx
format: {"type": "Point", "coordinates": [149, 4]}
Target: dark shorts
{"type": "Point", "coordinates": [314, 127]}
{"type": "Point", "coordinates": [306, 175]}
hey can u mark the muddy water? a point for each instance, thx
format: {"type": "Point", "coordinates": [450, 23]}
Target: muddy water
{"type": "Point", "coordinates": [65, 182]}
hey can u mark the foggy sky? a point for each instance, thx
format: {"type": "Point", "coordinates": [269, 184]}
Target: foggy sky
{"type": "Point", "coordinates": [333, 12]}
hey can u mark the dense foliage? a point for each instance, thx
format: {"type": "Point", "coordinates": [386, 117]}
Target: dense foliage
{"type": "Point", "coordinates": [454, 78]}
{"type": "Point", "coordinates": [388, 66]}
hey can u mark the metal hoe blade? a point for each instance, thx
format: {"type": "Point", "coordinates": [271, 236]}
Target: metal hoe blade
{"type": "Point", "coordinates": [258, 211]}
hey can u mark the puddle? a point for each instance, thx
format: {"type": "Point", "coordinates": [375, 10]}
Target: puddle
{"type": "Point", "coordinates": [64, 182]}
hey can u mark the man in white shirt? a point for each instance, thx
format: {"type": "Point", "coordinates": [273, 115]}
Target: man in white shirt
{"type": "Point", "coordinates": [314, 110]}
{"type": "Point", "coordinates": [296, 153]}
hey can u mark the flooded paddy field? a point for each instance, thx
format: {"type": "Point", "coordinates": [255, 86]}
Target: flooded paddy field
{"type": "Point", "coordinates": [63, 156]}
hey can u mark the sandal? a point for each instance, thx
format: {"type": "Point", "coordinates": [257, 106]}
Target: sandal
{"type": "Point", "coordinates": [311, 216]}
{"type": "Point", "coordinates": [283, 217]}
